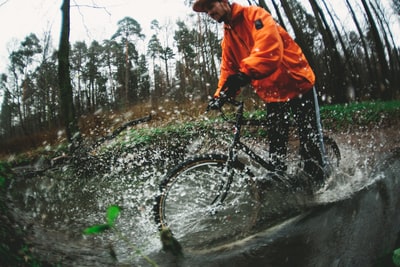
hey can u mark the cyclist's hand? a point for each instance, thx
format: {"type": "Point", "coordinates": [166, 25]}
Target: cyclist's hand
{"type": "Point", "coordinates": [214, 104]}
{"type": "Point", "coordinates": [234, 82]}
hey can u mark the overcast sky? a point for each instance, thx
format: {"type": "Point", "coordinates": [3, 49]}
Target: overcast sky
{"type": "Point", "coordinates": [19, 18]}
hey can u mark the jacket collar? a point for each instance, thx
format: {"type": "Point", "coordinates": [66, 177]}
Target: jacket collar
{"type": "Point", "coordinates": [236, 10]}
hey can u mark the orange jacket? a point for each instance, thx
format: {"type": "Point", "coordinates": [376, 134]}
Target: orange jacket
{"type": "Point", "coordinates": [257, 46]}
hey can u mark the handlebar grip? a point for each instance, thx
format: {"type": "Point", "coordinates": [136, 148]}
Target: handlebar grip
{"type": "Point", "coordinates": [214, 104]}
{"type": "Point", "coordinates": [217, 103]}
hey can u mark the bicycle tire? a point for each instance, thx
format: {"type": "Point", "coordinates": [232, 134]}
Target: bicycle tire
{"type": "Point", "coordinates": [184, 205]}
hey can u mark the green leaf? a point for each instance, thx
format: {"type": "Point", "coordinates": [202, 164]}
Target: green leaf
{"type": "Point", "coordinates": [95, 229]}
{"type": "Point", "coordinates": [396, 257]}
{"type": "Point", "coordinates": [112, 214]}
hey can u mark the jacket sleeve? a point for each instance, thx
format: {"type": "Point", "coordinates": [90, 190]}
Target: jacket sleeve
{"type": "Point", "coordinates": [267, 51]}
{"type": "Point", "coordinates": [226, 67]}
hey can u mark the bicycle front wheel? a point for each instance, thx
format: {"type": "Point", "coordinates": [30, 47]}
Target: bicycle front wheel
{"type": "Point", "coordinates": [189, 202]}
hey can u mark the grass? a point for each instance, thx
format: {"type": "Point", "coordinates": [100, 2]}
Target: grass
{"type": "Point", "coordinates": [146, 136]}
{"type": "Point", "coordinates": [360, 114]}
{"type": "Point", "coordinates": [334, 117]}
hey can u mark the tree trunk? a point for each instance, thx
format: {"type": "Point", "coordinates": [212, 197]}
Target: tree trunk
{"type": "Point", "coordinates": [380, 51]}
{"type": "Point", "coordinates": [349, 65]}
{"type": "Point", "coordinates": [262, 4]}
{"type": "Point", "coordinates": [368, 65]}
{"type": "Point", "coordinates": [298, 33]}
{"type": "Point", "coordinates": [393, 55]}
{"type": "Point", "coordinates": [64, 79]}
{"type": "Point", "coordinates": [337, 81]}
{"type": "Point", "coordinates": [202, 55]}
{"type": "Point", "coordinates": [126, 101]}
{"type": "Point", "coordinates": [278, 12]}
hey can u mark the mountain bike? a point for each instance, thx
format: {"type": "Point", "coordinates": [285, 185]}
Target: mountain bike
{"type": "Point", "coordinates": [212, 198]}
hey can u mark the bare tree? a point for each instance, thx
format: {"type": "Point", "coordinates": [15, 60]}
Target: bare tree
{"type": "Point", "coordinates": [67, 105]}
{"type": "Point", "coordinates": [347, 62]}
{"type": "Point", "coordinates": [390, 44]}
{"type": "Point", "coordinates": [366, 51]}
{"type": "Point", "coordinates": [337, 75]}
{"type": "Point", "coordinates": [380, 51]}
{"type": "Point", "coordinates": [298, 30]}
{"type": "Point", "coordinates": [278, 13]}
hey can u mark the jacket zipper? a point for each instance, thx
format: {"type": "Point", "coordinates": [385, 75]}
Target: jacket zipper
{"type": "Point", "coordinates": [237, 37]}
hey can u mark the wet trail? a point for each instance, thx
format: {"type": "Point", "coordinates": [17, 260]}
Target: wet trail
{"type": "Point", "coordinates": [360, 229]}
{"type": "Point", "coordinates": [351, 222]}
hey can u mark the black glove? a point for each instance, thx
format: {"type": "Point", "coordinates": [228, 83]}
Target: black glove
{"type": "Point", "coordinates": [214, 104]}
{"type": "Point", "coordinates": [234, 82]}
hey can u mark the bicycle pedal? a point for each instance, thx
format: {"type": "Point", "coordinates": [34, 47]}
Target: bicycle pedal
{"type": "Point", "coordinates": [214, 210]}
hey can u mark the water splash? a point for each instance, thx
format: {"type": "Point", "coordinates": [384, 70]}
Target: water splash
{"type": "Point", "coordinates": [55, 208]}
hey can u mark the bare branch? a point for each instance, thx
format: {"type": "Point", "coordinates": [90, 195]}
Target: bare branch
{"type": "Point", "coordinates": [94, 5]}
{"type": "Point", "coordinates": [90, 6]}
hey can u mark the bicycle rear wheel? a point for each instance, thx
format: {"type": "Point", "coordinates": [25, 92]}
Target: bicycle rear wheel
{"type": "Point", "coordinates": [188, 208]}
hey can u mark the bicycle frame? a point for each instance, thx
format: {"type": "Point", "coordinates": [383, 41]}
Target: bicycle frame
{"type": "Point", "coordinates": [238, 145]}
{"type": "Point", "coordinates": [220, 170]}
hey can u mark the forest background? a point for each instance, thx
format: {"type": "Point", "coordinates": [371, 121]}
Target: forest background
{"type": "Point", "coordinates": [176, 69]}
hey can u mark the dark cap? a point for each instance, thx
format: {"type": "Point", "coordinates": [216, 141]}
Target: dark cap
{"type": "Point", "coordinates": [200, 5]}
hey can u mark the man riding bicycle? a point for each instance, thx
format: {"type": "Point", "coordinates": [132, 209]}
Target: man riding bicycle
{"type": "Point", "coordinates": [257, 51]}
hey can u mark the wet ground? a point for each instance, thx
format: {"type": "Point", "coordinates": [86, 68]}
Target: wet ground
{"type": "Point", "coordinates": [352, 221]}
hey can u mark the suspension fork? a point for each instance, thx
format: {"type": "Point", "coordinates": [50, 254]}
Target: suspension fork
{"type": "Point", "coordinates": [229, 172]}
{"type": "Point", "coordinates": [232, 156]}
{"type": "Point", "coordinates": [224, 188]}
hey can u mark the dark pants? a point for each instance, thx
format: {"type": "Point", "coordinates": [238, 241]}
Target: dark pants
{"type": "Point", "coordinates": [304, 111]}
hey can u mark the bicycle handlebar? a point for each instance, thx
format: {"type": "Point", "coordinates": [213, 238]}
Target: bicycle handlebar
{"type": "Point", "coordinates": [217, 103]}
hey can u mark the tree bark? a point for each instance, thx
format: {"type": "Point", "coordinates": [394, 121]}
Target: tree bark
{"type": "Point", "coordinates": [380, 51]}
{"type": "Point", "coordinates": [337, 79]}
{"type": "Point", "coordinates": [64, 79]}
